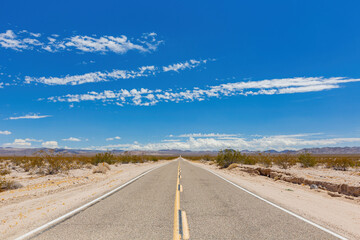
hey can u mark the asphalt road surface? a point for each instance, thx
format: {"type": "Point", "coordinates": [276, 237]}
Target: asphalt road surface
{"type": "Point", "coordinates": [215, 209]}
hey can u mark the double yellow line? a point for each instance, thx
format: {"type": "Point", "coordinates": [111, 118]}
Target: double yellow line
{"type": "Point", "coordinates": [181, 229]}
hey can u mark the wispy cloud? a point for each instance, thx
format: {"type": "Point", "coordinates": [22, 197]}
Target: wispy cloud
{"type": "Point", "coordinates": [113, 138]}
{"type": "Point", "coordinates": [183, 65]}
{"type": "Point", "coordinates": [72, 139]}
{"type": "Point", "coordinates": [276, 142]}
{"type": "Point", "coordinates": [29, 116]}
{"type": "Point", "coordinates": [216, 135]}
{"type": "Point", "coordinates": [5, 132]}
{"type": "Point", "coordinates": [92, 77]}
{"type": "Point", "coordinates": [116, 74]}
{"type": "Point", "coordinates": [24, 40]}
{"type": "Point", "coordinates": [147, 97]}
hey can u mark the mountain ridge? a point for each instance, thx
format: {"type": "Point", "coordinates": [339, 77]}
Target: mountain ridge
{"type": "Point", "coordinates": [9, 151]}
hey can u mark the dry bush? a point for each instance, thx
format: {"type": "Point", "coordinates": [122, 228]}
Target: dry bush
{"type": "Point", "coordinates": [284, 161]}
{"type": "Point", "coordinates": [340, 163]}
{"type": "Point", "coordinates": [307, 160]}
{"type": "Point", "coordinates": [4, 171]}
{"type": "Point", "coordinates": [232, 166]}
{"type": "Point", "coordinates": [265, 159]}
{"type": "Point", "coordinates": [101, 168]}
{"type": "Point", "coordinates": [9, 184]}
{"type": "Point", "coordinates": [249, 159]}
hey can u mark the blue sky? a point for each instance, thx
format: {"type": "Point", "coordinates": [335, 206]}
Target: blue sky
{"type": "Point", "coordinates": [184, 75]}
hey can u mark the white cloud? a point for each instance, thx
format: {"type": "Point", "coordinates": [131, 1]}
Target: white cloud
{"type": "Point", "coordinates": [9, 40]}
{"type": "Point", "coordinates": [5, 132]}
{"type": "Point", "coordinates": [183, 65]}
{"type": "Point", "coordinates": [29, 116]}
{"type": "Point", "coordinates": [24, 40]}
{"type": "Point", "coordinates": [147, 97]}
{"type": "Point", "coordinates": [32, 140]}
{"type": "Point", "coordinates": [116, 74]}
{"type": "Point", "coordinates": [18, 143]}
{"type": "Point", "coordinates": [217, 135]}
{"type": "Point", "coordinates": [143, 71]}
{"type": "Point", "coordinates": [72, 139]}
{"type": "Point", "coordinates": [261, 143]}
{"type": "Point", "coordinates": [113, 138]}
{"type": "Point", "coordinates": [50, 144]}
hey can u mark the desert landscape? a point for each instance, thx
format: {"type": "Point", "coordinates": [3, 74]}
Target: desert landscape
{"type": "Point", "coordinates": [38, 188]}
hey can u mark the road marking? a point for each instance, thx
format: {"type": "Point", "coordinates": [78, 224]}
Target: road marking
{"type": "Point", "coordinates": [281, 208]}
{"type": "Point", "coordinates": [176, 233]}
{"type": "Point", "coordinates": [69, 214]}
{"type": "Point", "coordinates": [185, 226]}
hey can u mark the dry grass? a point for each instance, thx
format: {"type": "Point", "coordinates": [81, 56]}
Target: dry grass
{"type": "Point", "coordinates": [232, 166]}
{"type": "Point", "coordinates": [101, 168]}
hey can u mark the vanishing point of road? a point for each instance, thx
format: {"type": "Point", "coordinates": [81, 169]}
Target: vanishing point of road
{"type": "Point", "coordinates": [182, 201]}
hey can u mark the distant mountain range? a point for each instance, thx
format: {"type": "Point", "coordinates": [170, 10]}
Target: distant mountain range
{"type": "Point", "coordinates": [30, 151]}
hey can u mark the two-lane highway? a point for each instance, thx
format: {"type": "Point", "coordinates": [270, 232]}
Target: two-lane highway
{"type": "Point", "coordinates": [215, 209]}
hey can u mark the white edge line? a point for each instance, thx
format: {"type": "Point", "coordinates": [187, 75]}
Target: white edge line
{"type": "Point", "coordinates": [281, 208]}
{"type": "Point", "coordinates": [69, 214]}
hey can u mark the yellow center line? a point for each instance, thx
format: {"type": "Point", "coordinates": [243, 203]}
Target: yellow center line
{"type": "Point", "coordinates": [177, 235]}
{"type": "Point", "coordinates": [181, 228]}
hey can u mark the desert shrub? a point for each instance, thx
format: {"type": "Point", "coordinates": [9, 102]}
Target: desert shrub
{"type": "Point", "coordinates": [4, 171]}
{"type": "Point", "coordinates": [9, 184]}
{"type": "Point", "coordinates": [226, 157]}
{"type": "Point", "coordinates": [342, 163]}
{"type": "Point", "coordinates": [307, 160]}
{"type": "Point", "coordinates": [265, 159]}
{"type": "Point", "coordinates": [208, 158]}
{"type": "Point", "coordinates": [249, 159]}
{"type": "Point", "coordinates": [284, 161]}
{"type": "Point", "coordinates": [154, 158]}
{"type": "Point", "coordinates": [51, 162]}
{"type": "Point", "coordinates": [101, 168]}
{"type": "Point", "coordinates": [106, 157]}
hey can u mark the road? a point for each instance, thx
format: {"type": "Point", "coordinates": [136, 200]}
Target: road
{"type": "Point", "coordinates": [215, 209]}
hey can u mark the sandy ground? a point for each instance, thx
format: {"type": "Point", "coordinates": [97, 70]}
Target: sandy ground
{"type": "Point", "coordinates": [44, 198]}
{"type": "Point", "coordinates": [320, 173]}
{"type": "Point", "coordinates": [340, 214]}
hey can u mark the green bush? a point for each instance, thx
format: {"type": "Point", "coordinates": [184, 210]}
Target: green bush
{"type": "Point", "coordinates": [284, 161]}
{"type": "Point", "coordinates": [342, 163]}
{"type": "Point", "coordinates": [307, 160]}
{"type": "Point", "coordinates": [226, 157]}
{"type": "Point", "coordinates": [106, 157]}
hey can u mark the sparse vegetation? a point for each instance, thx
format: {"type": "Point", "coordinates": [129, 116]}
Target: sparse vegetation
{"type": "Point", "coordinates": [307, 160]}
{"type": "Point", "coordinates": [46, 162]}
{"type": "Point", "coordinates": [283, 160]}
